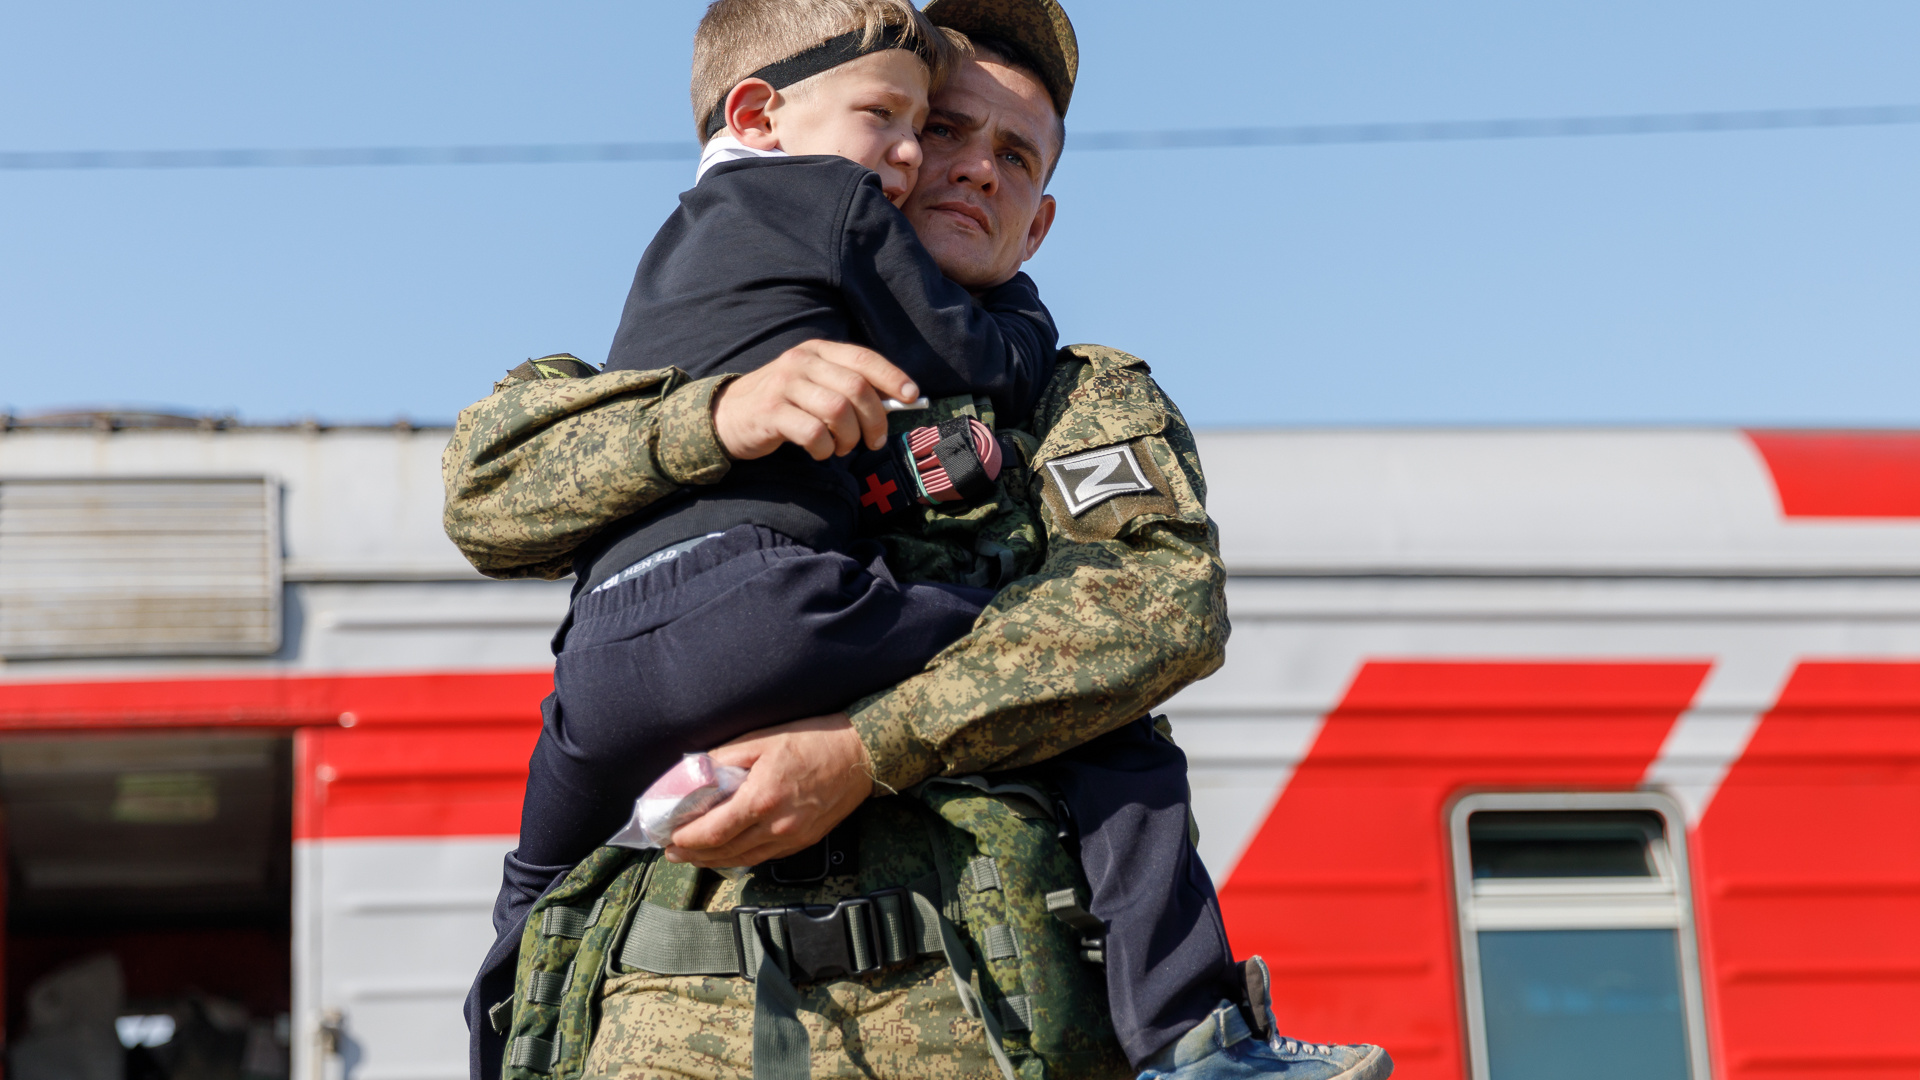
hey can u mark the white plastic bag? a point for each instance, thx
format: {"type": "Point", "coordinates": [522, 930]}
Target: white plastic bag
{"type": "Point", "coordinates": [689, 789]}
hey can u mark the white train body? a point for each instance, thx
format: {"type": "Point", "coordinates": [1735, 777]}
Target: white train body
{"type": "Point", "coordinates": [1497, 590]}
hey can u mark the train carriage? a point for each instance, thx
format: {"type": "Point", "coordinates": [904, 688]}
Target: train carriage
{"type": "Point", "coordinates": [1536, 753]}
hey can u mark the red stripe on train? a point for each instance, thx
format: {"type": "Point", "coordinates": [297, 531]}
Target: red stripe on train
{"type": "Point", "coordinates": [1809, 862]}
{"type": "Point", "coordinates": [1345, 889]}
{"type": "Point", "coordinates": [1843, 475]}
{"type": "Point", "coordinates": [434, 754]}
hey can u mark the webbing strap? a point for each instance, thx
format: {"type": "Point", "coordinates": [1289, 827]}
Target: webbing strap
{"type": "Point", "coordinates": [959, 962]}
{"type": "Point", "coordinates": [1064, 904]}
{"type": "Point", "coordinates": [759, 946]}
{"type": "Point", "coordinates": [500, 1017]}
{"type": "Point", "coordinates": [668, 942]}
{"type": "Point", "coordinates": [530, 1052]}
{"type": "Point", "coordinates": [927, 937]}
{"type": "Point", "coordinates": [984, 873]}
{"type": "Point", "coordinates": [547, 987]}
{"type": "Point", "coordinates": [570, 922]}
{"type": "Point", "coordinates": [960, 966]}
{"type": "Point", "coordinates": [781, 1049]}
{"type": "Point", "coordinates": [999, 942]}
{"type": "Point", "coordinates": [895, 930]}
{"type": "Point", "coordinates": [860, 938]}
{"type": "Point", "coordinates": [1017, 1012]}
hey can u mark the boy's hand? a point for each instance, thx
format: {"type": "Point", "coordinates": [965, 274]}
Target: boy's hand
{"type": "Point", "coordinates": [805, 778]}
{"type": "Point", "coordinates": [823, 396]}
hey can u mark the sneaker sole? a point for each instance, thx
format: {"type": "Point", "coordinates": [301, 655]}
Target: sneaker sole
{"type": "Point", "coordinates": [1377, 1065]}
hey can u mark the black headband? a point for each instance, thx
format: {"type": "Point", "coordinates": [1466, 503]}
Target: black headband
{"type": "Point", "coordinates": [825, 56]}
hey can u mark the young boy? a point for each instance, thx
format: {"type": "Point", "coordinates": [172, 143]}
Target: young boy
{"type": "Point", "coordinates": [731, 608]}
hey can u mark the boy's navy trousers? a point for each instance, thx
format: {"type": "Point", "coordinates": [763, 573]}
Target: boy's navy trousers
{"type": "Point", "coordinates": [748, 630]}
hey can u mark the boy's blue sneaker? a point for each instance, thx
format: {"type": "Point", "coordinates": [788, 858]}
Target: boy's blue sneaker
{"type": "Point", "coordinates": [1222, 1047]}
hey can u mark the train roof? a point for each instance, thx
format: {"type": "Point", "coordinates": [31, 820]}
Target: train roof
{"type": "Point", "coordinates": [1576, 502]}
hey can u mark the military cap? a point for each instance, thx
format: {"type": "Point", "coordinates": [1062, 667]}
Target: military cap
{"type": "Point", "coordinates": [1038, 27]}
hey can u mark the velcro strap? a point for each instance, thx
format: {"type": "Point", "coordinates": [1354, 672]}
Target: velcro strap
{"type": "Point", "coordinates": [534, 1053]}
{"type": "Point", "coordinates": [961, 460]}
{"type": "Point", "coordinates": [1016, 1011]}
{"type": "Point", "coordinates": [999, 942]}
{"type": "Point", "coordinates": [984, 873]}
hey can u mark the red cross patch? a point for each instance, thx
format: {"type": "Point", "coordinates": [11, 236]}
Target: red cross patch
{"type": "Point", "coordinates": [877, 493]}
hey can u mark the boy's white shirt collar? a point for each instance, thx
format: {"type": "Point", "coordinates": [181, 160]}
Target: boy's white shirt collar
{"type": "Point", "coordinates": [724, 147]}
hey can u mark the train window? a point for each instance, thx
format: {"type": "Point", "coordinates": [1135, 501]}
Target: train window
{"type": "Point", "coordinates": [1576, 937]}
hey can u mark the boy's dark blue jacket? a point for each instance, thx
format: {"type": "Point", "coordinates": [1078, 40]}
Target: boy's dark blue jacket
{"type": "Point", "coordinates": [766, 253]}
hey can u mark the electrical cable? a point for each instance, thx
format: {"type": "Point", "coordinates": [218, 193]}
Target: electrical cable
{"type": "Point", "coordinates": [1299, 135]}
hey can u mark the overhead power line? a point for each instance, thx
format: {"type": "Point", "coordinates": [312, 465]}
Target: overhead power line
{"type": "Point", "coordinates": [1563, 127]}
{"type": "Point", "coordinates": [1177, 139]}
{"type": "Point", "coordinates": [526, 154]}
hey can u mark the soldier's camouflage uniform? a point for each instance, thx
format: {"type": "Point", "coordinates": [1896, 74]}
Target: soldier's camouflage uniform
{"type": "Point", "coordinates": [1100, 616]}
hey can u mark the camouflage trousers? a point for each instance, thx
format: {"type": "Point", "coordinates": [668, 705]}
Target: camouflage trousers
{"type": "Point", "coordinates": [907, 1023]}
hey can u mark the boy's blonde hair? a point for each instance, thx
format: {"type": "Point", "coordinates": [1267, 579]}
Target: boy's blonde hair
{"type": "Point", "coordinates": [739, 37]}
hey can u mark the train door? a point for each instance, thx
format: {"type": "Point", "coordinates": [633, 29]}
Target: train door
{"type": "Point", "coordinates": [148, 898]}
{"type": "Point", "coordinates": [404, 809]}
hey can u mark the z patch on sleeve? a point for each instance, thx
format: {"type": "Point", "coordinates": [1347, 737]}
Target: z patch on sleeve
{"type": "Point", "coordinates": [1095, 492]}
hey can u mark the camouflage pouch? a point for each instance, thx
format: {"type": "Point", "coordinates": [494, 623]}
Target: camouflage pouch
{"type": "Point", "coordinates": [1002, 909]}
{"type": "Point", "coordinates": [1018, 892]}
{"type": "Point", "coordinates": [563, 960]}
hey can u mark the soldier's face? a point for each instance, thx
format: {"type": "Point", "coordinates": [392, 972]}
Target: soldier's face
{"type": "Point", "coordinates": [981, 206]}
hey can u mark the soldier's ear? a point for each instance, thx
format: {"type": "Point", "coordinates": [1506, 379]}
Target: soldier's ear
{"type": "Point", "coordinates": [1041, 225]}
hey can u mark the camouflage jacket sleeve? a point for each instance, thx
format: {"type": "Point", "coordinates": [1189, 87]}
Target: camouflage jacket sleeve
{"type": "Point", "coordinates": [546, 460]}
{"type": "Point", "coordinates": [1127, 607]}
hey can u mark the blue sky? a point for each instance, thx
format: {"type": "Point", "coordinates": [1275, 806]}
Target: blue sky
{"type": "Point", "coordinates": [1752, 278]}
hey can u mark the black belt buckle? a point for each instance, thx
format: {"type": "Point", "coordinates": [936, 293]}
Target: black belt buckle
{"type": "Point", "coordinates": [818, 939]}
{"type": "Point", "coordinates": [818, 946]}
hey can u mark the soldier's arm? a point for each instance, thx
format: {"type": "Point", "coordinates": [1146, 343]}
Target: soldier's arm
{"type": "Point", "coordinates": [553, 455]}
{"type": "Point", "coordinates": [1128, 606]}
{"type": "Point", "coordinates": [557, 452]}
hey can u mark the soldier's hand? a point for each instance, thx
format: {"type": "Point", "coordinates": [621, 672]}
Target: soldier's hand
{"type": "Point", "coordinates": [805, 778]}
{"type": "Point", "coordinates": [823, 396]}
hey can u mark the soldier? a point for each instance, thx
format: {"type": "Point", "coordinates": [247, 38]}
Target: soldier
{"type": "Point", "coordinates": [1111, 601]}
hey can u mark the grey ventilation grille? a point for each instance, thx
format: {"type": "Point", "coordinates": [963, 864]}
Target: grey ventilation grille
{"type": "Point", "coordinates": [139, 567]}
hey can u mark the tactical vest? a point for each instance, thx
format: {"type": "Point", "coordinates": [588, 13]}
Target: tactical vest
{"type": "Point", "coordinates": [1001, 902]}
